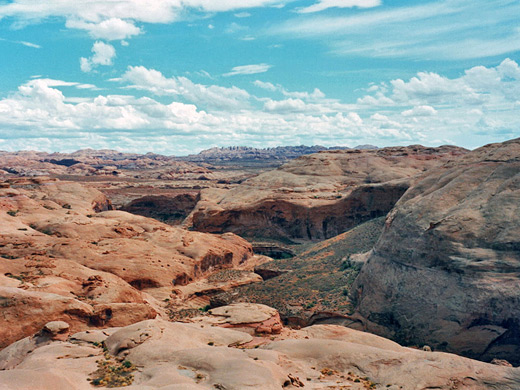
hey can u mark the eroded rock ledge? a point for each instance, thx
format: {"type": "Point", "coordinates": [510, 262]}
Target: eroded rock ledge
{"type": "Point", "coordinates": [67, 256]}
{"type": "Point", "coordinates": [317, 196]}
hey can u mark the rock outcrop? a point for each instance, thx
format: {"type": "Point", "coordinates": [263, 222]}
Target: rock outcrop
{"type": "Point", "coordinates": [445, 271]}
{"type": "Point", "coordinates": [67, 257]}
{"type": "Point", "coordinates": [317, 196]}
{"type": "Point", "coordinates": [169, 209]}
{"type": "Point", "coordinates": [156, 354]}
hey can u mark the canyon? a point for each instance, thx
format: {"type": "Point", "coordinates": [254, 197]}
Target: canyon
{"type": "Point", "coordinates": [67, 255]}
{"type": "Point", "coordinates": [268, 265]}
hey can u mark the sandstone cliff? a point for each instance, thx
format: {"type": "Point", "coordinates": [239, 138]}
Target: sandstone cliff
{"type": "Point", "coordinates": [446, 269]}
{"type": "Point", "coordinates": [169, 209]}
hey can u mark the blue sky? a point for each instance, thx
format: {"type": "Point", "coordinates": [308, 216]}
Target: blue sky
{"type": "Point", "coordinates": [179, 76]}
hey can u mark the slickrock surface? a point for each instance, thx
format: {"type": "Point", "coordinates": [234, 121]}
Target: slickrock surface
{"type": "Point", "coordinates": [445, 271]}
{"type": "Point", "coordinates": [317, 196]}
{"type": "Point", "coordinates": [258, 318]}
{"type": "Point", "coordinates": [155, 354]}
{"type": "Point", "coordinates": [66, 256]}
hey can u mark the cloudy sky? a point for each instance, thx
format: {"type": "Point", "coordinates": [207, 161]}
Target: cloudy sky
{"type": "Point", "coordinates": [179, 76]}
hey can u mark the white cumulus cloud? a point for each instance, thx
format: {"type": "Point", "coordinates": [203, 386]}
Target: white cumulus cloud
{"type": "Point", "coordinates": [420, 111]}
{"type": "Point", "coordinates": [316, 94]}
{"type": "Point", "coordinates": [109, 29]}
{"type": "Point", "coordinates": [139, 77]}
{"type": "Point", "coordinates": [288, 105]}
{"type": "Point", "coordinates": [45, 113]}
{"type": "Point", "coordinates": [103, 54]}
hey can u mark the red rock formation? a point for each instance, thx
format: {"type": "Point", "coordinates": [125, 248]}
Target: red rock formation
{"type": "Point", "coordinates": [64, 260]}
{"type": "Point", "coordinates": [317, 196]}
{"type": "Point", "coordinates": [168, 209]}
{"type": "Point", "coordinates": [202, 356]}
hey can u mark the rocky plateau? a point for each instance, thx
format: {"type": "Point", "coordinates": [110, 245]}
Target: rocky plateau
{"type": "Point", "coordinates": [235, 347]}
{"type": "Point", "coordinates": [66, 255]}
{"type": "Point", "coordinates": [126, 270]}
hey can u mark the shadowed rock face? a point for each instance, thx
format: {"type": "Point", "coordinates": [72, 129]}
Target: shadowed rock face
{"type": "Point", "coordinates": [171, 210]}
{"type": "Point", "coordinates": [318, 196]}
{"type": "Point", "coordinates": [279, 218]}
{"type": "Point", "coordinates": [445, 271]}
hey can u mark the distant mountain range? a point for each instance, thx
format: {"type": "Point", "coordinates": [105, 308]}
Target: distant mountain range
{"type": "Point", "coordinates": [242, 153]}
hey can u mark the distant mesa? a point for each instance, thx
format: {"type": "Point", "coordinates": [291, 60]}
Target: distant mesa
{"type": "Point", "coordinates": [245, 153]}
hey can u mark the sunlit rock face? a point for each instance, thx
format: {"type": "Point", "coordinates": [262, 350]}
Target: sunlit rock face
{"type": "Point", "coordinates": [65, 255]}
{"type": "Point", "coordinates": [226, 349]}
